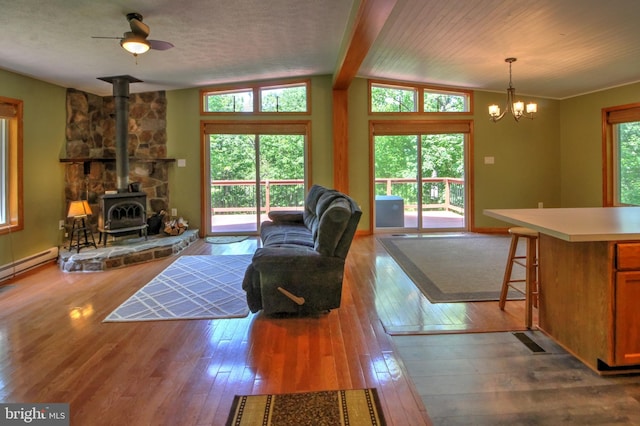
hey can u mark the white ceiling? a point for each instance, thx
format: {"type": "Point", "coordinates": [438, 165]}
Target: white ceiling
{"type": "Point", "coordinates": [564, 47]}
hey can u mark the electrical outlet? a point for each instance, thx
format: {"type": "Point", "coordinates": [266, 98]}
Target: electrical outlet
{"type": "Point", "coordinates": [174, 212]}
{"type": "Point", "coordinates": [61, 225]}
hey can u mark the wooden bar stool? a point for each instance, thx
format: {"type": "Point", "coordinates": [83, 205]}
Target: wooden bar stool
{"type": "Point", "coordinates": [530, 263]}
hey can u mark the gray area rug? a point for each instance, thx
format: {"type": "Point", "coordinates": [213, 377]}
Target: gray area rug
{"type": "Point", "coordinates": [455, 268]}
{"type": "Point", "coordinates": [192, 287]}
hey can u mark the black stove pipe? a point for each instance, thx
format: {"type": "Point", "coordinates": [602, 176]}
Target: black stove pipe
{"type": "Point", "coordinates": [121, 99]}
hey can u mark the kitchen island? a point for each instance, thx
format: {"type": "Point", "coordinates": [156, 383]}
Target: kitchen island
{"type": "Point", "coordinates": [589, 273]}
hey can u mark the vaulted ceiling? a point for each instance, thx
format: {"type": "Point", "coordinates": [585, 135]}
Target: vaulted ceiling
{"type": "Point", "coordinates": [564, 47]}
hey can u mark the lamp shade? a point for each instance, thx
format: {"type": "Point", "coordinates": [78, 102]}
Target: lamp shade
{"type": "Point", "coordinates": [79, 208]}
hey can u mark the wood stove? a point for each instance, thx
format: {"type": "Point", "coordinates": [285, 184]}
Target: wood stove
{"type": "Point", "coordinates": [122, 213]}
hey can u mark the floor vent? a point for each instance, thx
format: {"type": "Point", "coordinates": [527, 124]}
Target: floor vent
{"type": "Point", "coordinates": [526, 340]}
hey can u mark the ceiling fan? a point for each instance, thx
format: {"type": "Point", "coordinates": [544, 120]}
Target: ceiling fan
{"type": "Point", "coordinates": [135, 41]}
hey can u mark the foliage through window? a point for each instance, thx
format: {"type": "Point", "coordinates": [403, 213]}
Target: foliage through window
{"type": "Point", "coordinates": [229, 101]}
{"type": "Point", "coordinates": [253, 168]}
{"type": "Point", "coordinates": [273, 98]}
{"type": "Point", "coordinates": [292, 98]}
{"type": "Point", "coordinates": [445, 102]}
{"type": "Point", "coordinates": [622, 145]}
{"type": "Point", "coordinates": [393, 98]}
{"type": "Point", "coordinates": [387, 98]}
{"type": "Point", "coordinates": [421, 163]}
{"type": "Point", "coordinates": [627, 163]}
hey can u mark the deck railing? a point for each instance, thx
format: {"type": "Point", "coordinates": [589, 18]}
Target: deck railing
{"type": "Point", "coordinates": [438, 193]}
{"type": "Point", "coordinates": [238, 196]}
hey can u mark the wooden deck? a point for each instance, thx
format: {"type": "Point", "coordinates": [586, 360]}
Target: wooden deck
{"type": "Point", "coordinates": [55, 347]}
{"type": "Point", "coordinates": [435, 221]}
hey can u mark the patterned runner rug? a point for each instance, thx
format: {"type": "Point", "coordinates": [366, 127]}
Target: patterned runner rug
{"type": "Point", "coordinates": [357, 407]}
{"type": "Point", "coordinates": [192, 287]}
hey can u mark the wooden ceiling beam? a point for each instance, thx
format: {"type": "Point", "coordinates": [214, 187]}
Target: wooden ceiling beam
{"type": "Point", "coordinates": [369, 20]}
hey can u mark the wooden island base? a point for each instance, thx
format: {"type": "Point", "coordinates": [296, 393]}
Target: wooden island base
{"type": "Point", "coordinates": [586, 304]}
{"type": "Point", "coordinates": [589, 266]}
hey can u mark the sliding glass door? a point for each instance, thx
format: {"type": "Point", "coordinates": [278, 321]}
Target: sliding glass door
{"type": "Point", "coordinates": [419, 176]}
{"type": "Point", "coordinates": [442, 194]}
{"type": "Point", "coordinates": [250, 174]}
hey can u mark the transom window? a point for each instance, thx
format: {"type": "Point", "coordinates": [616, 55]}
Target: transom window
{"type": "Point", "coordinates": [445, 101]}
{"type": "Point", "coordinates": [402, 98]}
{"type": "Point", "coordinates": [289, 98]}
{"type": "Point", "coordinates": [390, 98]}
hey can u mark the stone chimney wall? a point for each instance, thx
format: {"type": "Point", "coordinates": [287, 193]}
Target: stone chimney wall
{"type": "Point", "coordinates": [90, 135]}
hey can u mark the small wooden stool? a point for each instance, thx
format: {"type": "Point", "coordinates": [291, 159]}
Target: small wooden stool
{"type": "Point", "coordinates": [530, 262]}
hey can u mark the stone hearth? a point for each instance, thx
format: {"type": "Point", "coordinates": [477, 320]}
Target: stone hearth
{"type": "Point", "coordinates": [124, 252]}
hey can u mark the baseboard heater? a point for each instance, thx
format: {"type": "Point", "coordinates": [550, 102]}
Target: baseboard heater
{"type": "Point", "coordinates": [27, 263]}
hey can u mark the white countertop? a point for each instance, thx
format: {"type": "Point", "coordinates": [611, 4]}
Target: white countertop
{"type": "Point", "coordinates": [577, 224]}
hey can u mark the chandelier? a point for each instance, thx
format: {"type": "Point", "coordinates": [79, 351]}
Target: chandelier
{"type": "Point", "coordinates": [516, 108]}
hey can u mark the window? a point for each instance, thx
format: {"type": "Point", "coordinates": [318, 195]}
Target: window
{"type": "Point", "coordinates": [622, 158]}
{"type": "Point", "coordinates": [10, 164]}
{"type": "Point", "coordinates": [401, 98]}
{"type": "Point", "coordinates": [251, 168]}
{"type": "Point", "coordinates": [229, 101]}
{"type": "Point", "coordinates": [389, 98]}
{"type": "Point", "coordinates": [444, 101]}
{"type": "Point", "coordinates": [289, 98]}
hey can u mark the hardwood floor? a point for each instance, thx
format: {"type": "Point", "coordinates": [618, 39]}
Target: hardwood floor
{"type": "Point", "coordinates": [55, 348]}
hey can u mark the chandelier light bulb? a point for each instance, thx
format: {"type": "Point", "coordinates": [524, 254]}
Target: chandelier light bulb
{"type": "Point", "coordinates": [518, 108]}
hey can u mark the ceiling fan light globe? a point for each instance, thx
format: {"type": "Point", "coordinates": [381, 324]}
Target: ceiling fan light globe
{"type": "Point", "coordinates": [135, 46]}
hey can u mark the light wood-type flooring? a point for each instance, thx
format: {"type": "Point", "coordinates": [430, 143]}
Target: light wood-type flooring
{"type": "Point", "coordinates": [55, 348]}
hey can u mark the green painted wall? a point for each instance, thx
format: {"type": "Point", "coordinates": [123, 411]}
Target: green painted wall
{"type": "Point", "coordinates": [43, 175]}
{"type": "Point", "coordinates": [183, 142]}
{"type": "Point", "coordinates": [581, 137]}
{"type": "Point", "coordinates": [527, 159]}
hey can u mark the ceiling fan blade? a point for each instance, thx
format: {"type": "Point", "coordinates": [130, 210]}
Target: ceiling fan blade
{"type": "Point", "coordinates": [160, 45]}
{"type": "Point", "coordinates": [110, 38]}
